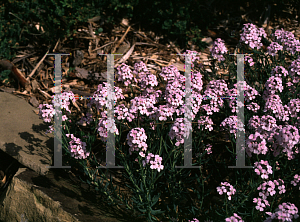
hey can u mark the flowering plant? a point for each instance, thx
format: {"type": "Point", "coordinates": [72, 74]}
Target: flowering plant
{"type": "Point", "coordinates": [152, 123]}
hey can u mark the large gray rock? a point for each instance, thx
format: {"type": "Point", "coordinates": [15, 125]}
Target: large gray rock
{"type": "Point", "coordinates": [24, 202]}
{"type": "Point", "coordinates": [57, 197]}
{"type": "Point", "coordinates": [21, 134]}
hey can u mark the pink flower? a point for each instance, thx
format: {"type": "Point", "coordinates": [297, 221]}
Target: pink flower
{"type": "Point", "coordinates": [218, 49]}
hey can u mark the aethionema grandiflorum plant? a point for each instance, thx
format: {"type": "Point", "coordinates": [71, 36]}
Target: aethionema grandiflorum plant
{"type": "Point", "coordinates": [156, 135]}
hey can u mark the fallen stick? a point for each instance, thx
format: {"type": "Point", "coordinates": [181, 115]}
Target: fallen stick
{"type": "Point", "coordinates": [121, 40]}
{"type": "Point", "coordinates": [37, 66]}
{"type": "Point", "coordinates": [44, 93]}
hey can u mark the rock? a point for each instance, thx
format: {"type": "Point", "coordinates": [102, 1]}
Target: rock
{"type": "Point", "coordinates": [34, 102]}
{"type": "Point", "coordinates": [38, 207]}
{"type": "Point", "coordinates": [21, 134]}
{"type": "Point", "coordinates": [85, 74]}
{"type": "Point", "coordinates": [57, 196]}
{"type": "Point", "coordinates": [77, 59]}
{"type": "Point", "coordinates": [34, 85]}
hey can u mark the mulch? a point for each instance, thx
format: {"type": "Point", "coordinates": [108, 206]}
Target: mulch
{"type": "Point", "coordinates": [33, 71]}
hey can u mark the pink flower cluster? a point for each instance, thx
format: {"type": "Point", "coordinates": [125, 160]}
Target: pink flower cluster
{"type": "Point", "coordinates": [252, 36]}
{"type": "Point", "coordinates": [283, 36]}
{"type": "Point", "coordinates": [253, 107]}
{"type": "Point", "coordinates": [170, 73]}
{"type": "Point", "coordinates": [195, 102]}
{"type": "Point", "coordinates": [216, 89]}
{"type": "Point", "coordinates": [263, 125]}
{"type": "Point", "coordinates": [218, 49]}
{"type": "Point", "coordinates": [274, 84]}
{"type": "Point", "coordinates": [63, 100]}
{"type": "Point", "coordinates": [249, 60]}
{"type": "Point", "coordinates": [46, 114]}
{"type": "Point", "coordinates": [256, 144]}
{"type": "Point", "coordinates": [295, 69]}
{"type": "Point", "coordinates": [260, 203]}
{"type": "Point", "coordinates": [287, 138]}
{"type": "Point", "coordinates": [234, 218]}
{"type": "Point", "coordinates": [294, 105]}
{"type": "Point", "coordinates": [274, 104]}
{"type": "Point", "coordinates": [263, 172]}
{"type": "Point", "coordinates": [104, 124]}
{"type": "Point", "coordinates": [140, 69]}
{"type": "Point", "coordinates": [155, 163]}
{"type": "Point", "coordinates": [141, 75]}
{"type": "Point", "coordinates": [249, 93]}
{"type": "Point", "coordinates": [125, 74]}
{"type": "Point", "coordinates": [47, 111]}
{"type": "Point", "coordinates": [143, 104]}
{"type": "Point", "coordinates": [145, 78]}
{"type": "Point", "coordinates": [99, 97]}
{"type": "Point", "coordinates": [284, 212]}
{"type": "Point", "coordinates": [175, 92]}
{"type": "Point", "coordinates": [229, 191]}
{"type": "Point", "coordinates": [266, 130]}
{"type": "Point", "coordinates": [163, 112]}
{"type": "Point", "coordinates": [274, 47]}
{"type": "Point", "coordinates": [267, 189]}
{"type": "Point", "coordinates": [179, 130]}
{"type": "Point", "coordinates": [137, 142]}
{"type": "Point", "coordinates": [278, 71]}
{"type": "Point", "coordinates": [77, 148]}
{"type": "Point", "coordinates": [233, 124]}
{"type": "Point", "coordinates": [206, 121]}
{"type": "Point", "coordinates": [296, 180]}
{"type": "Point", "coordinates": [123, 113]}
{"type": "Point", "coordinates": [208, 149]}
{"type": "Point", "coordinates": [290, 43]}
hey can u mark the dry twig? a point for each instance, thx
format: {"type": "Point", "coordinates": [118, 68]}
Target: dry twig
{"type": "Point", "coordinates": [121, 40]}
{"type": "Point", "coordinates": [37, 66]}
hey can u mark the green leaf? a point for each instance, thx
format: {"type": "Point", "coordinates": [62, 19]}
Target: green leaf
{"type": "Point", "coordinates": [167, 24]}
{"type": "Point", "coordinates": [154, 200]}
{"type": "Point", "coordinates": [99, 31]}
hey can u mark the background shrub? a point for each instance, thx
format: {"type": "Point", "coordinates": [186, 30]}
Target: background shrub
{"type": "Point", "coordinates": [177, 20]}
